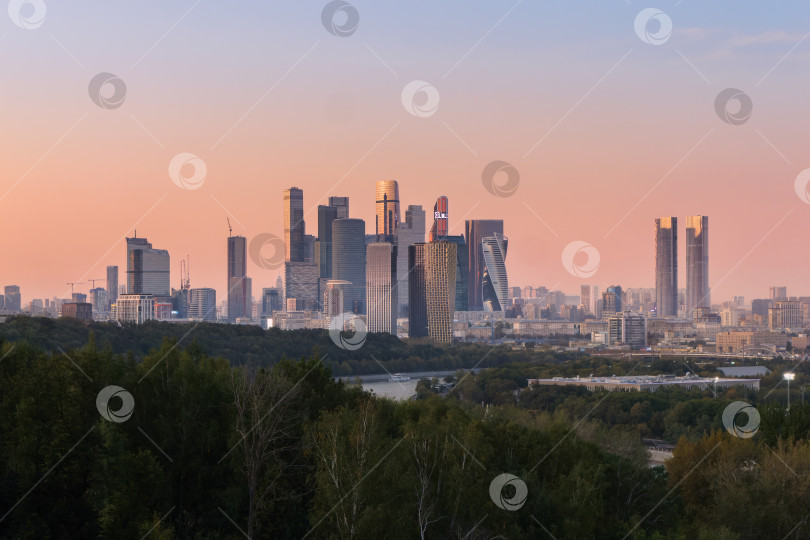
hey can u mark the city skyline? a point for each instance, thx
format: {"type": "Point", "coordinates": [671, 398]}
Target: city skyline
{"type": "Point", "coordinates": [576, 183]}
{"type": "Point", "coordinates": [680, 245]}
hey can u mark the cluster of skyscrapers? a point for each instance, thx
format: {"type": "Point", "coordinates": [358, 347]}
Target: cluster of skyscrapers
{"type": "Point", "coordinates": [404, 279]}
{"type": "Point", "coordinates": [392, 273]}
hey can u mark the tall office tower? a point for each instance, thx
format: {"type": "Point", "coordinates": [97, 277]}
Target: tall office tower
{"type": "Point", "coordinates": [476, 231]}
{"type": "Point", "coordinates": [595, 298]}
{"type": "Point", "coordinates": [99, 300]}
{"type": "Point", "coordinates": [462, 270]}
{"type": "Point", "coordinates": [202, 304]}
{"type": "Point", "coordinates": [495, 286]}
{"type": "Point", "coordinates": [612, 301]}
{"type": "Point", "coordinates": [627, 329]}
{"type": "Point", "coordinates": [13, 299]}
{"type": "Point", "coordinates": [239, 293]}
{"type": "Point", "coordinates": [349, 260]}
{"type": "Point", "coordinates": [381, 284]}
{"type": "Point", "coordinates": [333, 295]}
{"type": "Point", "coordinates": [294, 224]}
{"type": "Point", "coordinates": [666, 267]}
{"type": "Point", "coordinates": [342, 205]}
{"type": "Point", "coordinates": [147, 269]}
{"type": "Point", "coordinates": [301, 285]}
{"type": "Point", "coordinates": [411, 231]}
{"type": "Point", "coordinates": [326, 215]}
{"type": "Point", "coordinates": [387, 210]}
{"type": "Point", "coordinates": [112, 284]}
{"type": "Point", "coordinates": [697, 263]}
{"type": "Point", "coordinates": [78, 298]}
{"type": "Point", "coordinates": [417, 293]}
{"type": "Point", "coordinates": [3, 302]}
{"type": "Point", "coordinates": [778, 293]}
{"type": "Point", "coordinates": [440, 213]}
{"type": "Point", "coordinates": [585, 297]}
{"type": "Point", "coordinates": [440, 289]}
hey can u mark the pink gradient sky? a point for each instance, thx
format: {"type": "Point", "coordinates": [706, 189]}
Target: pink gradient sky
{"type": "Point", "coordinates": [615, 116]}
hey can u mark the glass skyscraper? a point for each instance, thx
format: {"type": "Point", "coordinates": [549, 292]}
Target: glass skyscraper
{"type": "Point", "coordinates": [381, 279]}
{"type": "Point", "coordinates": [387, 207]}
{"type": "Point", "coordinates": [294, 224]}
{"type": "Point", "coordinates": [239, 293]}
{"type": "Point", "coordinates": [495, 285]}
{"type": "Point", "coordinates": [349, 260]}
{"type": "Point", "coordinates": [697, 263]}
{"type": "Point", "coordinates": [440, 289]}
{"type": "Point", "coordinates": [147, 268]}
{"type": "Point", "coordinates": [410, 232]}
{"type": "Point", "coordinates": [476, 231]}
{"type": "Point", "coordinates": [666, 267]}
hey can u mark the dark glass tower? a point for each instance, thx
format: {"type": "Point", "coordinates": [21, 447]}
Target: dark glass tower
{"type": "Point", "coordinates": [326, 215]}
{"type": "Point", "coordinates": [294, 224]}
{"type": "Point", "coordinates": [349, 260]}
{"type": "Point", "coordinates": [238, 290]}
{"type": "Point", "coordinates": [417, 293]}
{"type": "Point", "coordinates": [476, 231]}
{"type": "Point", "coordinates": [697, 263]}
{"type": "Point", "coordinates": [666, 267]}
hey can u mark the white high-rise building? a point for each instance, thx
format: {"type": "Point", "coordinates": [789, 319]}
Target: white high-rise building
{"type": "Point", "coordinates": [135, 308]}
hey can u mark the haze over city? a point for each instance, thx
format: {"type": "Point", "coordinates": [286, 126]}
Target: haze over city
{"type": "Point", "coordinates": [606, 137]}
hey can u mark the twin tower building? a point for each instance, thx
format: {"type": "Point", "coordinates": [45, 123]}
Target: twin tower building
{"type": "Point", "coordinates": [698, 294]}
{"type": "Point", "coordinates": [393, 272]}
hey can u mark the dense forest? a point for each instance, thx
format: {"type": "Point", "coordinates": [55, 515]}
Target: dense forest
{"type": "Point", "coordinates": [243, 344]}
{"type": "Point", "coordinates": [188, 445]}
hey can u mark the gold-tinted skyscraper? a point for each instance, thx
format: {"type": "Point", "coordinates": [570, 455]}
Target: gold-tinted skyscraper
{"type": "Point", "coordinates": [440, 289]}
{"type": "Point", "coordinates": [387, 207]}
{"type": "Point", "coordinates": [697, 263]}
{"type": "Point", "coordinates": [666, 267]}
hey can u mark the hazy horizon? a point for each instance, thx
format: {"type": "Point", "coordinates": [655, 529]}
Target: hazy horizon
{"type": "Point", "coordinates": [607, 132]}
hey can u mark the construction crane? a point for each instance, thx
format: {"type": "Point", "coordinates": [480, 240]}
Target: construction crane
{"type": "Point", "coordinates": [72, 283]}
{"type": "Point", "coordinates": [230, 229]}
{"type": "Point", "coordinates": [185, 273]}
{"type": "Point", "coordinates": [93, 282]}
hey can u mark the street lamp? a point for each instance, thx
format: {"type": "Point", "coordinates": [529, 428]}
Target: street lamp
{"type": "Point", "coordinates": [715, 386]}
{"type": "Point", "coordinates": [789, 377]}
